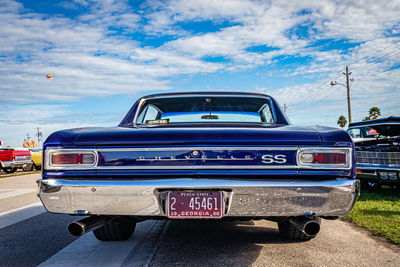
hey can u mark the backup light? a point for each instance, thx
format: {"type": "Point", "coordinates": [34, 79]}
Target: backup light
{"type": "Point", "coordinates": [323, 158]}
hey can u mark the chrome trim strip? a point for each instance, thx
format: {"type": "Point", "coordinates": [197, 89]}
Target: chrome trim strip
{"type": "Point", "coordinates": [137, 110]}
{"type": "Point", "coordinates": [377, 167]}
{"type": "Point", "coordinates": [198, 183]}
{"type": "Point", "coordinates": [200, 167]}
{"type": "Point", "coordinates": [268, 148]}
{"type": "Point", "coordinates": [198, 159]}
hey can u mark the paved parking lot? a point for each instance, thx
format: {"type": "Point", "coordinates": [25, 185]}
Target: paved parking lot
{"type": "Point", "coordinates": [29, 236]}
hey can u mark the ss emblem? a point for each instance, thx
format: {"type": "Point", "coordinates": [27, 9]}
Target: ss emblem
{"type": "Point", "coordinates": [267, 159]}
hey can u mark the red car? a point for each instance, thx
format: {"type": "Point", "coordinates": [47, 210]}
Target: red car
{"type": "Point", "coordinates": [13, 158]}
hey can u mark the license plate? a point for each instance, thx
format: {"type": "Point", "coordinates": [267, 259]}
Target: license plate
{"type": "Point", "coordinates": [195, 205]}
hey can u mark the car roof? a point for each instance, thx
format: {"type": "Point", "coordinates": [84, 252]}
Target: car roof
{"type": "Point", "coordinates": [389, 126]}
{"type": "Point", "coordinates": [177, 94]}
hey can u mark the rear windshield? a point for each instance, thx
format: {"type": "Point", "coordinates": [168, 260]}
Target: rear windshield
{"type": "Point", "coordinates": [205, 109]}
{"type": "Point", "coordinates": [363, 132]}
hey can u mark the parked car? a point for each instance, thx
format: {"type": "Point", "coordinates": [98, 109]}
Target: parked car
{"type": "Point", "coordinates": [362, 134]}
{"type": "Point", "coordinates": [199, 156]}
{"type": "Point", "coordinates": [36, 155]}
{"type": "Point", "coordinates": [13, 158]}
{"type": "Point", "coordinates": [378, 160]}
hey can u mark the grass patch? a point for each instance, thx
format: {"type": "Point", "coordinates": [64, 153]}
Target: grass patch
{"type": "Point", "coordinates": [378, 212]}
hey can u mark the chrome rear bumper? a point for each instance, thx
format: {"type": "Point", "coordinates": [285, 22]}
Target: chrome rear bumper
{"type": "Point", "coordinates": [15, 164]}
{"type": "Point", "coordinates": [243, 198]}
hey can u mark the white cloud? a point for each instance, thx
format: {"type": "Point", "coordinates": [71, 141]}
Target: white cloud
{"type": "Point", "coordinates": [102, 51]}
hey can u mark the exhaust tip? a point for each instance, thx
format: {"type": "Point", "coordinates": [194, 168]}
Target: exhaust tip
{"type": "Point", "coordinates": [312, 228]}
{"type": "Point", "coordinates": [76, 229]}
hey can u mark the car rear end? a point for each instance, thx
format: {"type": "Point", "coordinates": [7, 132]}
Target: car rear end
{"type": "Point", "coordinates": [209, 170]}
{"type": "Point", "coordinates": [13, 158]}
{"type": "Point", "coordinates": [253, 181]}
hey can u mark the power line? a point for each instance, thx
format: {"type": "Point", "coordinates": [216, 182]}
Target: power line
{"type": "Point", "coordinates": [396, 68]}
{"type": "Point", "coordinates": [370, 56]}
{"type": "Point", "coordinates": [322, 86]}
{"type": "Point", "coordinates": [377, 59]}
{"type": "Point", "coordinates": [325, 85]}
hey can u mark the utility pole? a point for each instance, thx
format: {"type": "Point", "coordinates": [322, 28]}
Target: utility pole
{"type": "Point", "coordinates": [39, 135]}
{"type": "Point", "coordinates": [347, 85]}
{"type": "Point", "coordinates": [348, 92]}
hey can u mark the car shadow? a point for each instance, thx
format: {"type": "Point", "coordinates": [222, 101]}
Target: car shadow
{"type": "Point", "coordinates": [217, 243]}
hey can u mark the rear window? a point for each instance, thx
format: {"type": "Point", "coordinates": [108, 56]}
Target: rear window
{"type": "Point", "coordinates": [363, 132]}
{"type": "Point", "coordinates": [211, 109]}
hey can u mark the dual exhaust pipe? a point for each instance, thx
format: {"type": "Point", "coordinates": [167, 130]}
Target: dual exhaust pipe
{"type": "Point", "coordinates": [78, 228]}
{"type": "Point", "coordinates": [307, 226]}
{"type": "Point", "coordinates": [81, 227]}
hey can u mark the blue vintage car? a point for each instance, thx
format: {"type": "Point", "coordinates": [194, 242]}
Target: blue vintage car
{"type": "Point", "coordinates": [203, 156]}
{"type": "Point", "coordinates": [378, 156]}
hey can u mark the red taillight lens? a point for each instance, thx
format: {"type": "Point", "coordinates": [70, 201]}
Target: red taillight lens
{"type": "Point", "coordinates": [329, 158]}
{"type": "Point", "coordinates": [66, 159]}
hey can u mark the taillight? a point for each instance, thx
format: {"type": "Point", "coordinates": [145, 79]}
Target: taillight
{"type": "Point", "coordinates": [70, 159]}
{"type": "Point", "coordinates": [62, 159]}
{"type": "Point", "coordinates": [325, 158]}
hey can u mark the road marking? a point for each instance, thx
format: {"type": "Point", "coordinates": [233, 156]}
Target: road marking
{"type": "Point", "coordinates": [88, 251]}
{"type": "Point", "coordinates": [145, 251]}
{"type": "Point", "coordinates": [17, 215]}
{"type": "Point", "coordinates": [16, 193]}
{"type": "Point", "coordinates": [158, 244]}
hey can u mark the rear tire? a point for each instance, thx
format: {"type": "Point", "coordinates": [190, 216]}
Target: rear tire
{"type": "Point", "coordinates": [9, 170]}
{"type": "Point", "coordinates": [115, 231]}
{"type": "Point", "coordinates": [29, 167]}
{"type": "Point", "coordinates": [289, 231]}
{"type": "Point", "coordinates": [38, 168]}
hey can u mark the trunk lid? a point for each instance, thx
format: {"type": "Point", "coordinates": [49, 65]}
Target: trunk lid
{"type": "Point", "coordinates": [166, 136]}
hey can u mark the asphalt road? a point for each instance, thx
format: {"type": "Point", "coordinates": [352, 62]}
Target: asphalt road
{"type": "Point", "coordinates": [29, 236]}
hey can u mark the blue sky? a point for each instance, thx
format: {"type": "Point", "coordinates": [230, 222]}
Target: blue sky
{"type": "Point", "coordinates": [103, 55]}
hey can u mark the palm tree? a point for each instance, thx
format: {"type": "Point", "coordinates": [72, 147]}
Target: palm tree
{"type": "Point", "coordinates": [367, 119]}
{"type": "Point", "coordinates": [342, 121]}
{"type": "Point", "coordinates": [374, 113]}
